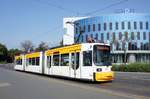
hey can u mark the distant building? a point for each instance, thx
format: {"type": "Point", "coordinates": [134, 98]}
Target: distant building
{"type": "Point", "coordinates": [128, 32]}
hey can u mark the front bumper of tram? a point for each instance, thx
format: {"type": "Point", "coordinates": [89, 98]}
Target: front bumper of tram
{"type": "Point", "coordinates": [103, 76]}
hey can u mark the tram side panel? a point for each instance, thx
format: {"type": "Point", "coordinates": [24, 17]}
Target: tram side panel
{"type": "Point", "coordinates": [86, 62]}
{"type": "Point", "coordinates": [19, 62]}
{"type": "Point", "coordinates": [34, 62]}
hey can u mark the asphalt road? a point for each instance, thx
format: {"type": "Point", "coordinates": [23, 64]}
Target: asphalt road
{"type": "Point", "coordinates": [21, 85]}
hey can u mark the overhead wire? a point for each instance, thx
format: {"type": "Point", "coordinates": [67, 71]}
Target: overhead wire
{"type": "Point", "coordinates": [109, 6]}
{"type": "Point", "coordinates": [58, 7]}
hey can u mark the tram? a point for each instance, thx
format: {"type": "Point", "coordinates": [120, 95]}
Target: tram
{"type": "Point", "coordinates": [90, 61]}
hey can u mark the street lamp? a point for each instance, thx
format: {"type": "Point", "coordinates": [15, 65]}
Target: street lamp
{"type": "Point", "coordinates": [78, 26]}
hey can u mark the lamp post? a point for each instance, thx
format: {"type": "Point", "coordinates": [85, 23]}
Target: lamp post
{"type": "Point", "coordinates": [78, 26]}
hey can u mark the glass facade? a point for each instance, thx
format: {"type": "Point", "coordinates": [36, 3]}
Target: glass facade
{"type": "Point", "coordinates": [128, 32]}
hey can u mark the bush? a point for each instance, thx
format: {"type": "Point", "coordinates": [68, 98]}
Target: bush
{"type": "Point", "coordinates": [133, 67]}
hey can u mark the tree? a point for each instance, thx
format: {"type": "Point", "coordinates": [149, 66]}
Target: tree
{"type": "Point", "coordinates": [12, 53]}
{"type": "Point", "coordinates": [42, 46]}
{"type": "Point", "coordinates": [3, 52]}
{"type": "Point", "coordinates": [27, 46]}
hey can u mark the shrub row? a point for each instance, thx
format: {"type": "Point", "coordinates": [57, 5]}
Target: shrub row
{"type": "Point", "coordinates": [133, 67]}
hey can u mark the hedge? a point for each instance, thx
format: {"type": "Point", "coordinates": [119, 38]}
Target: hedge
{"type": "Point", "coordinates": [133, 67]}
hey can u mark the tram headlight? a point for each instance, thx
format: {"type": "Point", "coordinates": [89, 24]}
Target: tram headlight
{"type": "Point", "coordinates": [98, 69]}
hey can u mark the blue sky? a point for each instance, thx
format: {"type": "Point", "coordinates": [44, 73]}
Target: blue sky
{"type": "Point", "coordinates": [41, 20]}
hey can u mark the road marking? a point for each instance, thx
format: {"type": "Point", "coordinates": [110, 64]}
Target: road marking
{"type": "Point", "coordinates": [4, 84]}
{"type": "Point", "coordinates": [101, 90]}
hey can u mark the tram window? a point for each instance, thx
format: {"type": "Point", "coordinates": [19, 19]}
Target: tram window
{"type": "Point", "coordinates": [87, 58]}
{"type": "Point", "coordinates": [48, 61]}
{"type": "Point", "coordinates": [72, 59]}
{"type": "Point", "coordinates": [33, 61]}
{"type": "Point", "coordinates": [56, 60]}
{"type": "Point", "coordinates": [19, 61]}
{"type": "Point", "coordinates": [77, 60]}
{"type": "Point", "coordinates": [27, 62]}
{"type": "Point", "coordinates": [30, 61]}
{"type": "Point", "coordinates": [65, 60]}
{"type": "Point", "coordinates": [37, 60]}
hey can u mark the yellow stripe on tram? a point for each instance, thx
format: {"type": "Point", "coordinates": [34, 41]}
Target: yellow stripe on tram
{"type": "Point", "coordinates": [32, 55]}
{"type": "Point", "coordinates": [64, 50]}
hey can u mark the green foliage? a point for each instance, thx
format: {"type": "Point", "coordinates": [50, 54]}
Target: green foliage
{"type": "Point", "coordinates": [3, 53]}
{"type": "Point", "coordinates": [11, 54]}
{"type": "Point", "coordinates": [7, 56]}
{"type": "Point", "coordinates": [133, 67]}
{"type": "Point", "coordinates": [3, 62]}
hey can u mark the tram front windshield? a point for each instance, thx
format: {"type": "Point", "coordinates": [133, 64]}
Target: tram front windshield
{"type": "Point", "coordinates": [101, 55]}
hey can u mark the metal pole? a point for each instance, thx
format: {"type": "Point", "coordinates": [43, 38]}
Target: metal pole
{"type": "Point", "coordinates": [125, 55]}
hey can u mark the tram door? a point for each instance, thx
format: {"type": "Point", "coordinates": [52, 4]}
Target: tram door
{"type": "Point", "coordinates": [48, 64]}
{"type": "Point", "coordinates": [24, 63]}
{"type": "Point", "coordinates": [75, 71]}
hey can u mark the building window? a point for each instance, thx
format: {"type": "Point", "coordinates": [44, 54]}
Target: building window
{"type": "Point", "coordinates": [76, 30]}
{"type": "Point", "coordinates": [110, 26]}
{"type": "Point", "coordinates": [126, 35]}
{"type": "Point", "coordinates": [132, 35]}
{"type": "Point", "coordinates": [92, 36]}
{"type": "Point", "coordinates": [84, 28]}
{"type": "Point", "coordinates": [105, 26]}
{"type": "Point", "coordinates": [135, 25]}
{"type": "Point", "coordinates": [145, 46]}
{"type": "Point", "coordinates": [93, 27]}
{"type": "Point", "coordinates": [102, 37]}
{"type": "Point", "coordinates": [107, 36]}
{"type": "Point", "coordinates": [80, 29]}
{"type": "Point", "coordinates": [129, 46]}
{"type": "Point", "coordinates": [88, 28]}
{"type": "Point", "coordinates": [117, 25]}
{"type": "Point", "coordinates": [122, 25]}
{"type": "Point", "coordinates": [138, 35]}
{"type": "Point", "coordinates": [146, 25]}
{"type": "Point", "coordinates": [123, 45]}
{"type": "Point", "coordinates": [86, 38]}
{"type": "Point", "coordinates": [82, 38]}
{"type": "Point", "coordinates": [141, 25]}
{"type": "Point", "coordinates": [141, 46]}
{"type": "Point", "coordinates": [144, 35]}
{"type": "Point", "coordinates": [117, 46]}
{"type": "Point", "coordinates": [129, 25]}
{"type": "Point", "coordinates": [99, 27]}
{"type": "Point", "coordinates": [120, 35]}
{"type": "Point", "coordinates": [114, 36]}
{"type": "Point", "coordinates": [96, 36]}
{"type": "Point", "coordinates": [135, 45]}
{"type": "Point", "coordinates": [149, 36]}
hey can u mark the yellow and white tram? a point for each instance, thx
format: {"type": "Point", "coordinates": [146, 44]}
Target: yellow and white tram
{"type": "Point", "coordinates": [91, 61]}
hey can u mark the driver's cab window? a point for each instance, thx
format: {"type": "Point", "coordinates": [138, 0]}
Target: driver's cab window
{"type": "Point", "coordinates": [87, 58]}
